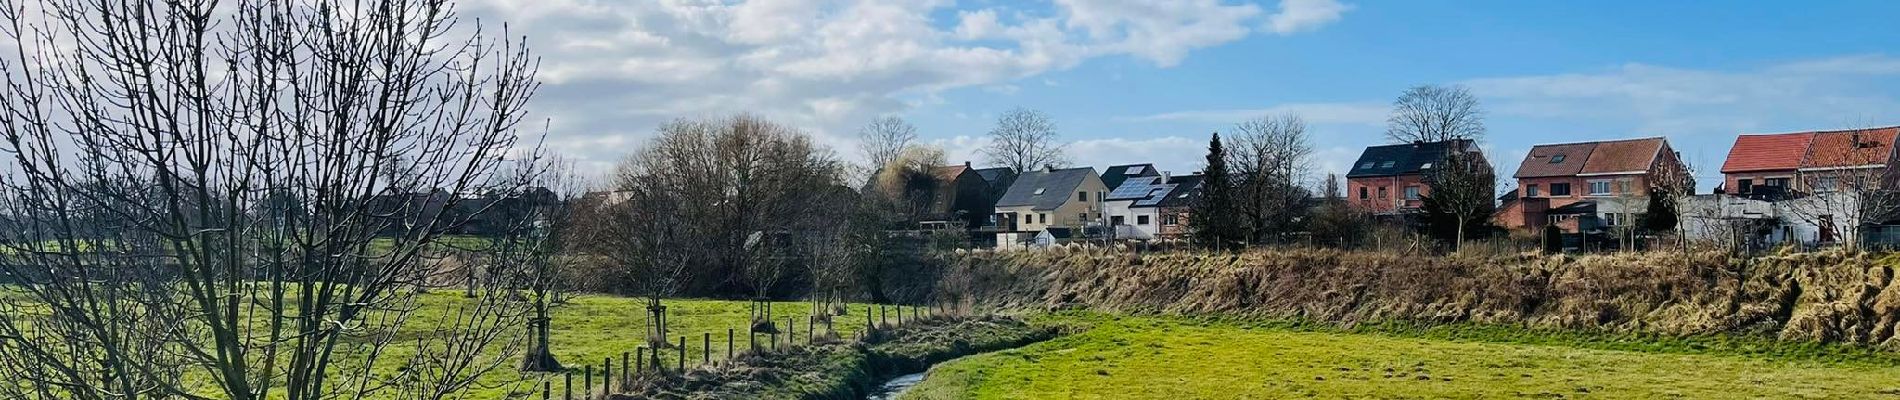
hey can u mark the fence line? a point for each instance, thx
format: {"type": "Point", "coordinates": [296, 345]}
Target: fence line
{"type": "Point", "coordinates": [629, 377]}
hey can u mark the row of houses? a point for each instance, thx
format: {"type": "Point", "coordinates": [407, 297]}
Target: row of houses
{"type": "Point", "coordinates": [1776, 188]}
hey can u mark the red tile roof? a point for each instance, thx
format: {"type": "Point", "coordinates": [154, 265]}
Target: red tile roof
{"type": "Point", "coordinates": [1631, 155]}
{"type": "Point", "coordinates": [1767, 152]}
{"type": "Point", "coordinates": [1543, 160]}
{"type": "Point", "coordinates": [1851, 148]}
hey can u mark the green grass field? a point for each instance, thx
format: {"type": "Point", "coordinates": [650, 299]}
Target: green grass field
{"type": "Point", "coordinates": [1181, 358]}
{"type": "Point", "coordinates": [589, 329]}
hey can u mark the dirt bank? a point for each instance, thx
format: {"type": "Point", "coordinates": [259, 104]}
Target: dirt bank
{"type": "Point", "coordinates": [1827, 296]}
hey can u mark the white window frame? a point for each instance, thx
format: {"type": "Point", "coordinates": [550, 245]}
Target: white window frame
{"type": "Point", "coordinates": [1607, 188]}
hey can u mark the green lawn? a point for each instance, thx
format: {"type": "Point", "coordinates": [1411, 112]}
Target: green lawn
{"type": "Point", "coordinates": [1180, 358]}
{"type": "Point", "coordinates": [589, 329]}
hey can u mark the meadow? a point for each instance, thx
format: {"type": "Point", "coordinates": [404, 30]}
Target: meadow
{"type": "Point", "coordinates": [1183, 357]}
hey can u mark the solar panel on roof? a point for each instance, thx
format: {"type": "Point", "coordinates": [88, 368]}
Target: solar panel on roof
{"type": "Point", "coordinates": [1155, 197]}
{"type": "Point", "coordinates": [1132, 189]}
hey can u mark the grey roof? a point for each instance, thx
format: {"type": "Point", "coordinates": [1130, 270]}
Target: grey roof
{"type": "Point", "coordinates": [1045, 189]}
{"type": "Point", "coordinates": [991, 175]}
{"type": "Point", "coordinates": [1115, 175]}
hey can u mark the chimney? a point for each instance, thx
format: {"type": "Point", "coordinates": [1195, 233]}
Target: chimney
{"type": "Point", "coordinates": [1165, 176]}
{"type": "Point", "coordinates": [966, 163]}
{"type": "Point", "coordinates": [1048, 168]}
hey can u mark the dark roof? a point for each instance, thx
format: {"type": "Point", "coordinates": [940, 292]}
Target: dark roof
{"type": "Point", "coordinates": [1187, 189]}
{"type": "Point", "coordinates": [1577, 208]}
{"type": "Point", "coordinates": [991, 175]}
{"type": "Point", "coordinates": [1115, 175]}
{"type": "Point", "coordinates": [1045, 189]}
{"type": "Point", "coordinates": [1060, 232]}
{"type": "Point", "coordinates": [1401, 159]}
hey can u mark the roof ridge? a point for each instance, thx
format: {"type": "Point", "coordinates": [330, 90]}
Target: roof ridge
{"type": "Point", "coordinates": [1825, 131]}
{"type": "Point", "coordinates": [1603, 141]}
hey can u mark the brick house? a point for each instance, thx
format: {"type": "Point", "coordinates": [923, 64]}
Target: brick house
{"type": "Point", "coordinates": [1588, 186]}
{"type": "Point", "coordinates": [1811, 180]}
{"type": "Point", "coordinates": [1391, 179]}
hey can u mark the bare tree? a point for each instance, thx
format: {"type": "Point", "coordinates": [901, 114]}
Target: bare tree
{"type": "Point", "coordinates": [148, 137]}
{"type": "Point", "coordinates": [540, 239]}
{"type": "Point", "coordinates": [1432, 113]}
{"type": "Point", "coordinates": [1848, 183]}
{"type": "Point", "coordinates": [884, 139]}
{"type": "Point", "coordinates": [1462, 190]}
{"type": "Point", "coordinates": [1269, 158]}
{"type": "Point", "coordinates": [1024, 140]}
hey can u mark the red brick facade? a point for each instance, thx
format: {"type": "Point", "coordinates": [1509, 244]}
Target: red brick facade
{"type": "Point", "coordinates": [1386, 194]}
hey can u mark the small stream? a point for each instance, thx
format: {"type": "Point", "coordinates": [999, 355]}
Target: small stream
{"type": "Point", "coordinates": [896, 386]}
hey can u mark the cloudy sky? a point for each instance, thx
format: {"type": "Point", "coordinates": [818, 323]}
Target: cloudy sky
{"type": "Point", "coordinates": [1147, 81]}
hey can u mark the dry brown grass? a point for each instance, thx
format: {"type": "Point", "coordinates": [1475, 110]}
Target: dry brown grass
{"type": "Point", "coordinates": [1825, 296]}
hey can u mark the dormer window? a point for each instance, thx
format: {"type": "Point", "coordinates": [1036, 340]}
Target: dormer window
{"type": "Point", "coordinates": [1134, 170]}
{"type": "Point", "coordinates": [1556, 159]}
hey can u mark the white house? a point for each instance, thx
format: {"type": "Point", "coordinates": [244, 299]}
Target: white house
{"type": "Point", "coordinates": [1135, 208]}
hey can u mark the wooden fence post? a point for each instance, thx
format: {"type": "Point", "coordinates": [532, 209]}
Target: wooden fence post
{"type": "Point", "coordinates": [811, 330]}
{"type": "Point", "coordinates": [587, 382]}
{"type": "Point", "coordinates": [567, 389]}
{"type": "Point", "coordinates": [706, 349]}
{"type": "Point", "coordinates": [640, 363]}
{"type": "Point", "coordinates": [729, 344]}
{"type": "Point", "coordinates": [547, 390]}
{"type": "Point", "coordinates": [791, 332]}
{"type": "Point", "coordinates": [682, 354]}
{"type": "Point", "coordinates": [626, 377]}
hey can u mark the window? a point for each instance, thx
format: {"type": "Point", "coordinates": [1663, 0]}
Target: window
{"type": "Point", "coordinates": [1081, 196]}
{"type": "Point", "coordinates": [1043, 217]}
{"type": "Point", "coordinates": [1530, 191]}
{"type": "Point", "coordinates": [1365, 165]}
{"type": "Point", "coordinates": [1141, 220]}
{"type": "Point", "coordinates": [1387, 164]}
{"type": "Point", "coordinates": [1827, 183]}
{"type": "Point", "coordinates": [1426, 166]}
{"type": "Point", "coordinates": [1039, 191]}
{"type": "Point", "coordinates": [1411, 193]}
{"type": "Point", "coordinates": [1382, 195]}
{"type": "Point", "coordinates": [1560, 189]}
{"type": "Point", "coordinates": [1363, 194]}
{"type": "Point", "coordinates": [1079, 217]}
{"type": "Point", "coordinates": [1556, 158]}
{"type": "Point", "coordinates": [1135, 170]}
{"type": "Point", "coordinates": [1598, 188]}
{"type": "Point", "coordinates": [1776, 182]}
{"type": "Point", "coordinates": [1744, 186]}
{"type": "Point", "coordinates": [1117, 220]}
{"type": "Point", "coordinates": [1170, 220]}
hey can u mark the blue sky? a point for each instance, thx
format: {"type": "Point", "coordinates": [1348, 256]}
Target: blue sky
{"type": "Point", "coordinates": [1133, 81]}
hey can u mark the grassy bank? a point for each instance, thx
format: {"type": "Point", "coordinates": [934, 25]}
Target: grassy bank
{"type": "Point", "coordinates": [846, 370]}
{"type": "Point", "coordinates": [1830, 296]}
{"type": "Point", "coordinates": [1179, 358]}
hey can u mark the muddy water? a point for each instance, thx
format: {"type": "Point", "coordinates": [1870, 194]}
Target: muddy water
{"type": "Point", "coordinates": [896, 386]}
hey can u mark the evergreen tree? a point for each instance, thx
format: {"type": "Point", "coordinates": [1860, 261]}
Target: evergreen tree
{"type": "Point", "coordinates": [1215, 221]}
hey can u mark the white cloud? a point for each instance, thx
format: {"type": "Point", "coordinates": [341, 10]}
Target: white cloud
{"type": "Point", "coordinates": [1296, 16]}
{"type": "Point", "coordinates": [618, 69]}
{"type": "Point", "coordinates": [1360, 113]}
